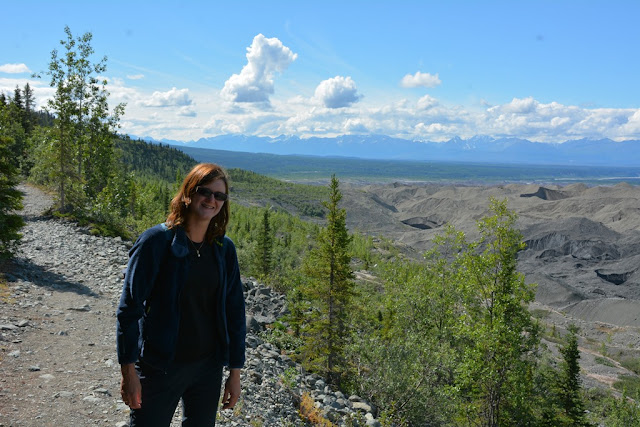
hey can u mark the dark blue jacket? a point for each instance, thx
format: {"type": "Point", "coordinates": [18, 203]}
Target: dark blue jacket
{"type": "Point", "coordinates": [149, 312]}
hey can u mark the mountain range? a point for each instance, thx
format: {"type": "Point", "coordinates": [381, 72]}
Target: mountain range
{"type": "Point", "coordinates": [483, 149]}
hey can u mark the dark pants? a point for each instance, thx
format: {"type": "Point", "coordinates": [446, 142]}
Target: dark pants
{"type": "Point", "coordinates": [197, 383]}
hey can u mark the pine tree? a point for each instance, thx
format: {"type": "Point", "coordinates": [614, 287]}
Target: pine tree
{"type": "Point", "coordinates": [29, 105]}
{"type": "Point", "coordinates": [330, 289]}
{"type": "Point", "coordinates": [10, 197]}
{"type": "Point", "coordinates": [497, 364]}
{"type": "Point", "coordinates": [264, 248]}
{"type": "Point", "coordinates": [569, 382]}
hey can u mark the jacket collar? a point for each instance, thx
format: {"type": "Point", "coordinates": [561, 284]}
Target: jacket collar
{"type": "Point", "coordinates": [180, 244]}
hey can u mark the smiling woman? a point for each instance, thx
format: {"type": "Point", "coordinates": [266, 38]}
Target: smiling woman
{"type": "Point", "coordinates": [181, 316]}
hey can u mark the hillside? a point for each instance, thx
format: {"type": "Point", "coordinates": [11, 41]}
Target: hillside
{"type": "Point", "coordinates": [583, 244]}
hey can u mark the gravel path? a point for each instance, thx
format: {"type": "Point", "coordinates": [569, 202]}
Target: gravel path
{"type": "Point", "coordinates": [58, 364]}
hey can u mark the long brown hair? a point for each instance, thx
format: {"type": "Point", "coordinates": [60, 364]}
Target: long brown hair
{"type": "Point", "coordinates": [201, 174]}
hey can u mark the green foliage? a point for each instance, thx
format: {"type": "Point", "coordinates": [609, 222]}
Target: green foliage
{"type": "Point", "coordinates": [330, 290]}
{"type": "Point", "coordinates": [494, 374]}
{"type": "Point", "coordinates": [632, 364]}
{"type": "Point", "coordinates": [260, 189]}
{"type": "Point", "coordinates": [569, 384]}
{"type": "Point", "coordinates": [291, 241]}
{"type": "Point", "coordinates": [282, 337]}
{"type": "Point", "coordinates": [623, 411]}
{"type": "Point", "coordinates": [10, 197]}
{"type": "Point", "coordinates": [628, 383]}
{"type": "Point", "coordinates": [153, 161]}
{"type": "Point", "coordinates": [604, 361]}
{"type": "Point", "coordinates": [264, 247]}
{"type": "Point", "coordinates": [76, 154]}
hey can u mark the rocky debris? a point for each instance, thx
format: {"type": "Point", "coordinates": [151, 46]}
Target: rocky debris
{"type": "Point", "coordinates": [422, 223]}
{"type": "Point", "coordinates": [388, 206]}
{"type": "Point", "coordinates": [547, 194]}
{"type": "Point", "coordinates": [614, 277]}
{"type": "Point", "coordinates": [58, 364]}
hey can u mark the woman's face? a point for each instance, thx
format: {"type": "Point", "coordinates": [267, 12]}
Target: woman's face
{"type": "Point", "coordinates": [204, 206]}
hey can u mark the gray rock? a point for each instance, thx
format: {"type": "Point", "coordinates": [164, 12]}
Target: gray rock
{"type": "Point", "coordinates": [361, 406]}
{"type": "Point", "coordinates": [252, 324]}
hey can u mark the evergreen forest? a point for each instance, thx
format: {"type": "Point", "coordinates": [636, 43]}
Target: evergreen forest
{"type": "Point", "coordinates": [447, 340]}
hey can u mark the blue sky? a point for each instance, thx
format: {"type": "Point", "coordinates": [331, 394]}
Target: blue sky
{"type": "Point", "coordinates": [424, 70]}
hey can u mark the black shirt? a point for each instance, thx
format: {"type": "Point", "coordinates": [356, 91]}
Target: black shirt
{"type": "Point", "coordinates": [197, 335]}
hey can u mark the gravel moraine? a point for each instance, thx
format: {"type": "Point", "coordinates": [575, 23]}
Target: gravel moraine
{"type": "Point", "coordinates": [58, 365]}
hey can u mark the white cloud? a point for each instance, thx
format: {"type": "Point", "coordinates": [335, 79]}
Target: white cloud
{"type": "Point", "coordinates": [425, 118]}
{"type": "Point", "coordinates": [337, 92]}
{"type": "Point", "coordinates": [14, 68]}
{"type": "Point", "coordinates": [135, 76]}
{"type": "Point", "coordinates": [255, 83]}
{"type": "Point", "coordinates": [427, 102]}
{"type": "Point", "coordinates": [187, 111]}
{"type": "Point", "coordinates": [633, 125]}
{"type": "Point", "coordinates": [354, 126]}
{"type": "Point", "coordinates": [520, 106]}
{"type": "Point", "coordinates": [171, 98]}
{"type": "Point", "coordinates": [432, 128]}
{"type": "Point", "coordinates": [420, 79]}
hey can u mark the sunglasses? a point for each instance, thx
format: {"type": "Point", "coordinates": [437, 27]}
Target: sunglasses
{"type": "Point", "coordinates": [206, 193]}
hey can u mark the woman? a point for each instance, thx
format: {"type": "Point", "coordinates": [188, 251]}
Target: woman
{"type": "Point", "coordinates": [181, 314]}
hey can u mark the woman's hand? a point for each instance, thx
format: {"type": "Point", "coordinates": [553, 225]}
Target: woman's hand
{"type": "Point", "coordinates": [231, 390]}
{"type": "Point", "coordinates": [130, 388]}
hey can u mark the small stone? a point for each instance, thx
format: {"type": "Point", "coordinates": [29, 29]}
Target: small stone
{"type": "Point", "coordinates": [47, 377]}
{"type": "Point", "coordinates": [91, 399]}
{"type": "Point", "coordinates": [361, 406]}
{"type": "Point", "coordinates": [15, 353]}
{"type": "Point", "coordinates": [34, 368]}
{"type": "Point", "coordinates": [8, 327]}
{"type": "Point", "coordinates": [122, 424]}
{"type": "Point", "coordinates": [85, 307]}
{"type": "Point", "coordinates": [23, 323]}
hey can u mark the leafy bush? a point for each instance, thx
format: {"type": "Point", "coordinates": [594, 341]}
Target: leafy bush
{"type": "Point", "coordinates": [632, 364]}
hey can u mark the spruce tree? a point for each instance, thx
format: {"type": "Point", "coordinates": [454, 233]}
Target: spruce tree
{"type": "Point", "coordinates": [330, 290]}
{"type": "Point", "coordinates": [569, 382]}
{"type": "Point", "coordinates": [264, 248]}
{"type": "Point", "coordinates": [10, 197]}
{"type": "Point", "coordinates": [29, 105]}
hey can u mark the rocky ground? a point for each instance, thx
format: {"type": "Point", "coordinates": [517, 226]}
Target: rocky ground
{"type": "Point", "coordinates": [58, 365]}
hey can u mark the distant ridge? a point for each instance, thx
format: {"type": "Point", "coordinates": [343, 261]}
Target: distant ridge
{"type": "Point", "coordinates": [479, 149]}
